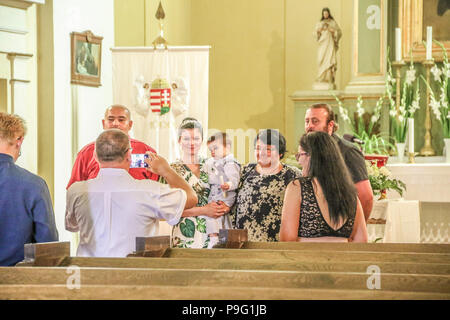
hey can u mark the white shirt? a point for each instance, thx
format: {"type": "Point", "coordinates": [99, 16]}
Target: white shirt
{"type": "Point", "coordinates": [111, 210]}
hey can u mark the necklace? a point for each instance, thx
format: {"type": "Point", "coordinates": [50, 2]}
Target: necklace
{"type": "Point", "coordinates": [270, 170]}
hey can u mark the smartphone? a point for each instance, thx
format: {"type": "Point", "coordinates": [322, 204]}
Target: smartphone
{"type": "Point", "coordinates": [138, 160]}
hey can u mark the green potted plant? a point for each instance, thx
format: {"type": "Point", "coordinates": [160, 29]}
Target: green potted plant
{"type": "Point", "coordinates": [381, 181]}
{"type": "Point", "coordinates": [403, 116]}
{"type": "Point", "coordinates": [440, 106]}
{"type": "Point", "coordinates": [376, 146]}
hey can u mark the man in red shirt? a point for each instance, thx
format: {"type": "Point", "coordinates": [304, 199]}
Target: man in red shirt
{"type": "Point", "coordinates": [86, 167]}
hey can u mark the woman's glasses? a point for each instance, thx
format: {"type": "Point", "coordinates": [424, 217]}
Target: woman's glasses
{"type": "Point", "coordinates": [299, 154]}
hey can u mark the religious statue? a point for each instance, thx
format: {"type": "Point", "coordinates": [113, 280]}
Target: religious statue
{"type": "Point", "coordinates": [328, 34]}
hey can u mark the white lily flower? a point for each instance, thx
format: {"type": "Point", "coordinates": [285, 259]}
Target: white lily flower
{"type": "Point", "coordinates": [385, 172]}
{"type": "Point", "coordinates": [435, 105]}
{"type": "Point", "coordinates": [344, 114]}
{"type": "Point", "coordinates": [436, 73]}
{"type": "Point", "coordinates": [402, 110]}
{"type": "Point", "coordinates": [414, 106]}
{"type": "Point", "coordinates": [375, 171]}
{"type": "Point", "coordinates": [359, 109]}
{"type": "Point", "coordinates": [443, 98]}
{"type": "Point", "coordinates": [360, 112]}
{"type": "Point", "coordinates": [374, 119]}
{"type": "Point", "coordinates": [410, 76]}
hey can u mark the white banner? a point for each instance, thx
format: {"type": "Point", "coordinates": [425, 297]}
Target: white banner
{"type": "Point", "coordinates": [184, 70]}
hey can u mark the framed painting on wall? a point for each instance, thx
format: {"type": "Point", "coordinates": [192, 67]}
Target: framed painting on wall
{"type": "Point", "coordinates": [414, 17]}
{"type": "Point", "coordinates": [86, 58]}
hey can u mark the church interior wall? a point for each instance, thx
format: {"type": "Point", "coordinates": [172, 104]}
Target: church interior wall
{"type": "Point", "coordinates": [261, 52]}
{"type": "Point", "coordinates": [76, 110]}
{"type": "Point", "coordinates": [18, 74]}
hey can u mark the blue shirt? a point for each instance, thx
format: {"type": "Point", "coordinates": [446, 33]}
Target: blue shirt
{"type": "Point", "coordinates": [26, 211]}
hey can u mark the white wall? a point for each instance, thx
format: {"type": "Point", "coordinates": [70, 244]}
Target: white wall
{"type": "Point", "coordinates": [78, 110]}
{"type": "Point", "coordinates": [18, 35]}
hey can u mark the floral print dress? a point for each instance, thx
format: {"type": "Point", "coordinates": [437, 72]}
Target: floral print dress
{"type": "Point", "coordinates": [259, 202]}
{"type": "Point", "coordinates": [190, 232]}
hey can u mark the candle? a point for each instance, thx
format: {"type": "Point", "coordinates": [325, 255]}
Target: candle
{"type": "Point", "coordinates": [398, 44]}
{"type": "Point", "coordinates": [429, 42]}
{"type": "Point", "coordinates": [410, 135]}
{"type": "Point", "coordinates": [224, 193]}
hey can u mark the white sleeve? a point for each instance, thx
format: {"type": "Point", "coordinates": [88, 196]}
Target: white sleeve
{"type": "Point", "coordinates": [171, 204]}
{"type": "Point", "coordinates": [232, 171]}
{"type": "Point", "coordinates": [71, 223]}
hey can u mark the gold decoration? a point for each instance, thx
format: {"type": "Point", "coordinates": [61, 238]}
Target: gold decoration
{"type": "Point", "coordinates": [412, 157]}
{"type": "Point", "coordinates": [398, 66]}
{"type": "Point", "coordinates": [160, 14]}
{"type": "Point", "coordinates": [160, 41]}
{"type": "Point", "coordinates": [427, 149]}
{"type": "Point", "coordinates": [160, 83]}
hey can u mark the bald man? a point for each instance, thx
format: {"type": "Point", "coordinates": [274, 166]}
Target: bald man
{"type": "Point", "coordinates": [86, 166]}
{"type": "Point", "coordinates": [111, 210]}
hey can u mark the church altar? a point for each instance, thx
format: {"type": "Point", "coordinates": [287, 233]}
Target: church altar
{"type": "Point", "coordinates": [428, 182]}
{"type": "Point", "coordinates": [424, 181]}
{"type": "Point", "coordinates": [400, 221]}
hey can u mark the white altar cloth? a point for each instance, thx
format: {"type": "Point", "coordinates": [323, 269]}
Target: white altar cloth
{"type": "Point", "coordinates": [424, 181]}
{"type": "Point", "coordinates": [402, 221]}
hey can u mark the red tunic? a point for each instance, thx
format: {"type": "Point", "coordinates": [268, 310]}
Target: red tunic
{"type": "Point", "coordinates": [85, 166]}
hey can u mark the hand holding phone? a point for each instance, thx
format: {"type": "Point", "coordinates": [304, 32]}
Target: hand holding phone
{"type": "Point", "coordinates": [138, 160]}
{"type": "Point", "coordinates": [157, 164]}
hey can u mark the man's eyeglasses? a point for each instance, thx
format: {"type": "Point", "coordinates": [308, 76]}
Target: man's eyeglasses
{"type": "Point", "coordinates": [127, 150]}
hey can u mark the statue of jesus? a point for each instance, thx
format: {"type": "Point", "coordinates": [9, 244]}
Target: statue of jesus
{"type": "Point", "coordinates": [328, 34]}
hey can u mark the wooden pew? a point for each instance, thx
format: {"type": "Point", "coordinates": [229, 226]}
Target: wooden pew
{"type": "Point", "coordinates": [436, 285]}
{"type": "Point", "coordinates": [369, 247]}
{"type": "Point", "coordinates": [139, 292]}
{"type": "Point", "coordinates": [254, 264]}
{"type": "Point", "coordinates": [257, 271]}
{"type": "Point", "coordinates": [324, 256]}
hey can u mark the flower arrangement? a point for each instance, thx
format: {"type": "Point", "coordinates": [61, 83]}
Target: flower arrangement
{"type": "Point", "coordinates": [374, 143]}
{"type": "Point", "coordinates": [380, 180]}
{"type": "Point", "coordinates": [441, 108]}
{"type": "Point", "coordinates": [409, 101]}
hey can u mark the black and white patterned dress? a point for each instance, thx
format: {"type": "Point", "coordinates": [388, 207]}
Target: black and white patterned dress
{"type": "Point", "coordinates": [259, 202]}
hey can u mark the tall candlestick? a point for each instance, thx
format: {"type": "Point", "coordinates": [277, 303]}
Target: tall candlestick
{"type": "Point", "coordinates": [429, 42]}
{"type": "Point", "coordinates": [427, 149]}
{"type": "Point", "coordinates": [397, 67]}
{"type": "Point", "coordinates": [411, 135]}
{"type": "Point", "coordinates": [398, 44]}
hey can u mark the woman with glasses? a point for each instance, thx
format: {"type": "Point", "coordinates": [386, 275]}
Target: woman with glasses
{"type": "Point", "coordinates": [261, 190]}
{"type": "Point", "coordinates": [323, 204]}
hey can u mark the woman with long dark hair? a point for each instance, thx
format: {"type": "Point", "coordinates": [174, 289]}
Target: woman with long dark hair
{"type": "Point", "coordinates": [323, 204]}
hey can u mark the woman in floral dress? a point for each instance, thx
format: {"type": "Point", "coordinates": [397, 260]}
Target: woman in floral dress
{"type": "Point", "coordinates": [190, 232]}
{"type": "Point", "coordinates": [261, 191]}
